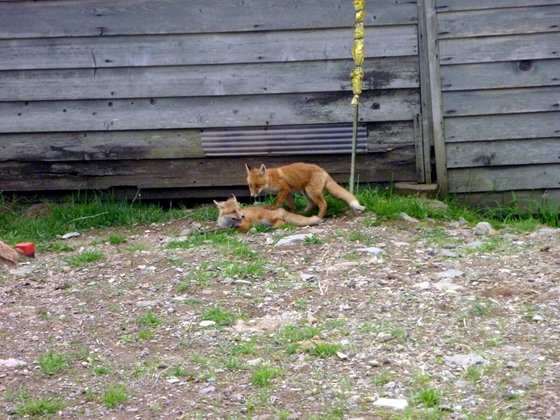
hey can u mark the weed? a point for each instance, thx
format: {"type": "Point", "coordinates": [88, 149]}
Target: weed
{"type": "Point", "coordinates": [85, 257]}
{"type": "Point", "coordinates": [115, 396]}
{"type": "Point", "coordinates": [323, 350]}
{"type": "Point", "coordinates": [146, 334]}
{"type": "Point", "coordinates": [263, 375]}
{"type": "Point", "coordinates": [430, 397]}
{"type": "Point", "coordinates": [51, 364]}
{"type": "Point", "coordinates": [220, 316]}
{"type": "Point", "coordinates": [149, 319]}
{"type": "Point", "coordinates": [27, 405]}
{"type": "Point", "coordinates": [178, 372]}
{"type": "Point", "coordinates": [381, 379]}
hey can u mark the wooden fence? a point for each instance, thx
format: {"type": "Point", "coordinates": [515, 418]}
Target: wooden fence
{"type": "Point", "coordinates": [117, 94]}
{"type": "Point", "coordinates": [120, 93]}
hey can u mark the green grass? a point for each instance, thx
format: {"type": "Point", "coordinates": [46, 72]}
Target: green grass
{"type": "Point", "coordinates": [323, 350]}
{"type": "Point", "coordinates": [28, 405]}
{"type": "Point", "coordinates": [149, 319]}
{"type": "Point", "coordinates": [80, 212]}
{"type": "Point", "coordinates": [115, 396]}
{"type": "Point", "coordinates": [429, 397]}
{"type": "Point", "coordinates": [52, 364]}
{"type": "Point", "coordinates": [221, 316]}
{"type": "Point", "coordinates": [87, 210]}
{"type": "Point", "coordinates": [84, 258]}
{"type": "Point", "coordinates": [262, 376]}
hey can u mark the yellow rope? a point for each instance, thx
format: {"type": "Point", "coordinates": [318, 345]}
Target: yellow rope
{"type": "Point", "coordinates": [358, 52]}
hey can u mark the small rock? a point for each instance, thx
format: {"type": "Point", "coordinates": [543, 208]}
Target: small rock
{"type": "Point", "coordinates": [483, 228]}
{"type": "Point", "coordinates": [254, 362]}
{"type": "Point", "coordinates": [465, 359]}
{"type": "Point", "coordinates": [341, 355]}
{"type": "Point", "coordinates": [71, 235]}
{"type": "Point", "coordinates": [371, 250]}
{"type": "Point", "coordinates": [450, 274]}
{"type": "Point", "coordinates": [306, 277]}
{"type": "Point", "coordinates": [425, 285]}
{"type": "Point", "coordinates": [408, 218]}
{"type": "Point", "coordinates": [293, 238]}
{"type": "Point", "coordinates": [384, 336]}
{"type": "Point", "coordinates": [147, 303]}
{"type": "Point", "coordinates": [207, 323]}
{"type": "Point", "coordinates": [391, 403]}
{"type": "Point", "coordinates": [208, 390]}
{"type": "Point", "coordinates": [12, 363]}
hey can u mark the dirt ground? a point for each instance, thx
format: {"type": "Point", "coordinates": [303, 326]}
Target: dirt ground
{"type": "Point", "coordinates": [460, 322]}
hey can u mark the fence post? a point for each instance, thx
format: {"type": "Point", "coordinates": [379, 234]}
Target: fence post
{"type": "Point", "coordinates": [430, 91]}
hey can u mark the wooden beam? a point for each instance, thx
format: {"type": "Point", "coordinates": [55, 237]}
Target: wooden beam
{"type": "Point", "coordinates": [503, 21]}
{"type": "Point", "coordinates": [24, 19]}
{"type": "Point", "coordinates": [206, 80]}
{"type": "Point", "coordinates": [396, 165]}
{"type": "Point", "coordinates": [503, 152]}
{"type": "Point", "coordinates": [501, 101]}
{"type": "Point", "coordinates": [432, 87]}
{"type": "Point", "coordinates": [502, 127]}
{"type": "Point", "coordinates": [504, 178]}
{"type": "Point", "coordinates": [201, 112]}
{"type": "Point", "coordinates": [507, 74]}
{"type": "Point", "coordinates": [456, 5]}
{"type": "Point", "coordinates": [203, 49]}
{"type": "Point", "coordinates": [498, 48]}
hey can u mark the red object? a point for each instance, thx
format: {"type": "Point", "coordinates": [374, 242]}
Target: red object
{"type": "Point", "coordinates": [28, 249]}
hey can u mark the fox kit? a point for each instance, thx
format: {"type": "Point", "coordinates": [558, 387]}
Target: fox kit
{"type": "Point", "coordinates": [310, 179]}
{"type": "Point", "coordinates": [231, 216]}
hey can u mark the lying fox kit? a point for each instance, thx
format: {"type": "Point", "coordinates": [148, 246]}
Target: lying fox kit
{"type": "Point", "coordinates": [310, 179]}
{"type": "Point", "coordinates": [232, 216]}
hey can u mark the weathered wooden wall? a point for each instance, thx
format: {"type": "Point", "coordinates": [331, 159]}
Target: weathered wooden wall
{"type": "Point", "coordinates": [500, 77]}
{"type": "Point", "coordinates": [115, 93]}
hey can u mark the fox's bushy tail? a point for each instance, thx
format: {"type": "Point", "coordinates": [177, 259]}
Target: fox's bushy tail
{"type": "Point", "coordinates": [299, 220]}
{"type": "Point", "coordinates": [340, 193]}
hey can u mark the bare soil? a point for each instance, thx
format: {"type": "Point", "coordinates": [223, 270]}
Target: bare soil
{"type": "Point", "coordinates": [436, 291]}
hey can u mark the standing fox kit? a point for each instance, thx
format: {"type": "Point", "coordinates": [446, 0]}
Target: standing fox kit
{"type": "Point", "coordinates": [231, 216]}
{"type": "Point", "coordinates": [310, 179]}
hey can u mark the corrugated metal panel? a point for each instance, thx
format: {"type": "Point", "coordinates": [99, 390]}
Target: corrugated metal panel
{"type": "Point", "coordinates": [295, 140]}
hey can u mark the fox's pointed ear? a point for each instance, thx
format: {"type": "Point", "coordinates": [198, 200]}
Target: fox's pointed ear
{"type": "Point", "coordinates": [248, 168]}
{"type": "Point", "coordinates": [262, 170]}
{"type": "Point", "coordinates": [219, 205]}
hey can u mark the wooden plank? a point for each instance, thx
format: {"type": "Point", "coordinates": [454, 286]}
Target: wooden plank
{"type": "Point", "coordinates": [531, 201]}
{"type": "Point", "coordinates": [237, 79]}
{"type": "Point", "coordinates": [191, 173]}
{"type": "Point", "coordinates": [202, 49]}
{"type": "Point", "coordinates": [486, 22]}
{"type": "Point", "coordinates": [427, 14]}
{"type": "Point", "coordinates": [387, 134]}
{"type": "Point", "coordinates": [502, 127]}
{"type": "Point", "coordinates": [496, 153]}
{"type": "Point", "coordinates": [456, 5]}
{"type": "Point", "coordinates": [200, 112]}
{"type": "Point", "coordinates": [508, 178]}
{"type": "Point", "coordinates": [152, 144]}
{"type": "Point", "coordinates": [134, 17]}
{"type": "Point", "coordinates": [501, 101]}
{"type": "Point", "coordinates": [524, 73]}
{"type": "Point", "coordinates": [503, 48]}
{"type": "Point", "coordinates": [101, 145]}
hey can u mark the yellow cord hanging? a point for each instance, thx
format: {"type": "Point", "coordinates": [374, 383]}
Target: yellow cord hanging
{"type": "Point", "coordinates": [358, 51]}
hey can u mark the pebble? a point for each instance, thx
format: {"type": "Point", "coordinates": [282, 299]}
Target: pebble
{"type": "Point", "coordinates": [482, 228]}
{"type": "Point", "coordinates": [397, 404]}
{"type": "Point", "coordinates": [293, 238]}
{"type": "Point", "coordinates": [371, 250]}
{"type": "Point", "coordinates": [207, 323]}
{"type": "Point", "coordinates": [465, 359]}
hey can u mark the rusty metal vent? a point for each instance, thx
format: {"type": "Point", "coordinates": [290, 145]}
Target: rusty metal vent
{"type": "Point", "coordinates": [294, 140]}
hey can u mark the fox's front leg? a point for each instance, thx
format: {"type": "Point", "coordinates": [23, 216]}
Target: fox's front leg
{"type": "Point", "coordinates": [282, 195]}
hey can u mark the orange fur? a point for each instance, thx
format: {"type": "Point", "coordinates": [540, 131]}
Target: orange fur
{"type": "Point", "coordinates": [232, 216]}
{"type": "Point", "coordinates": [307, 178]}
